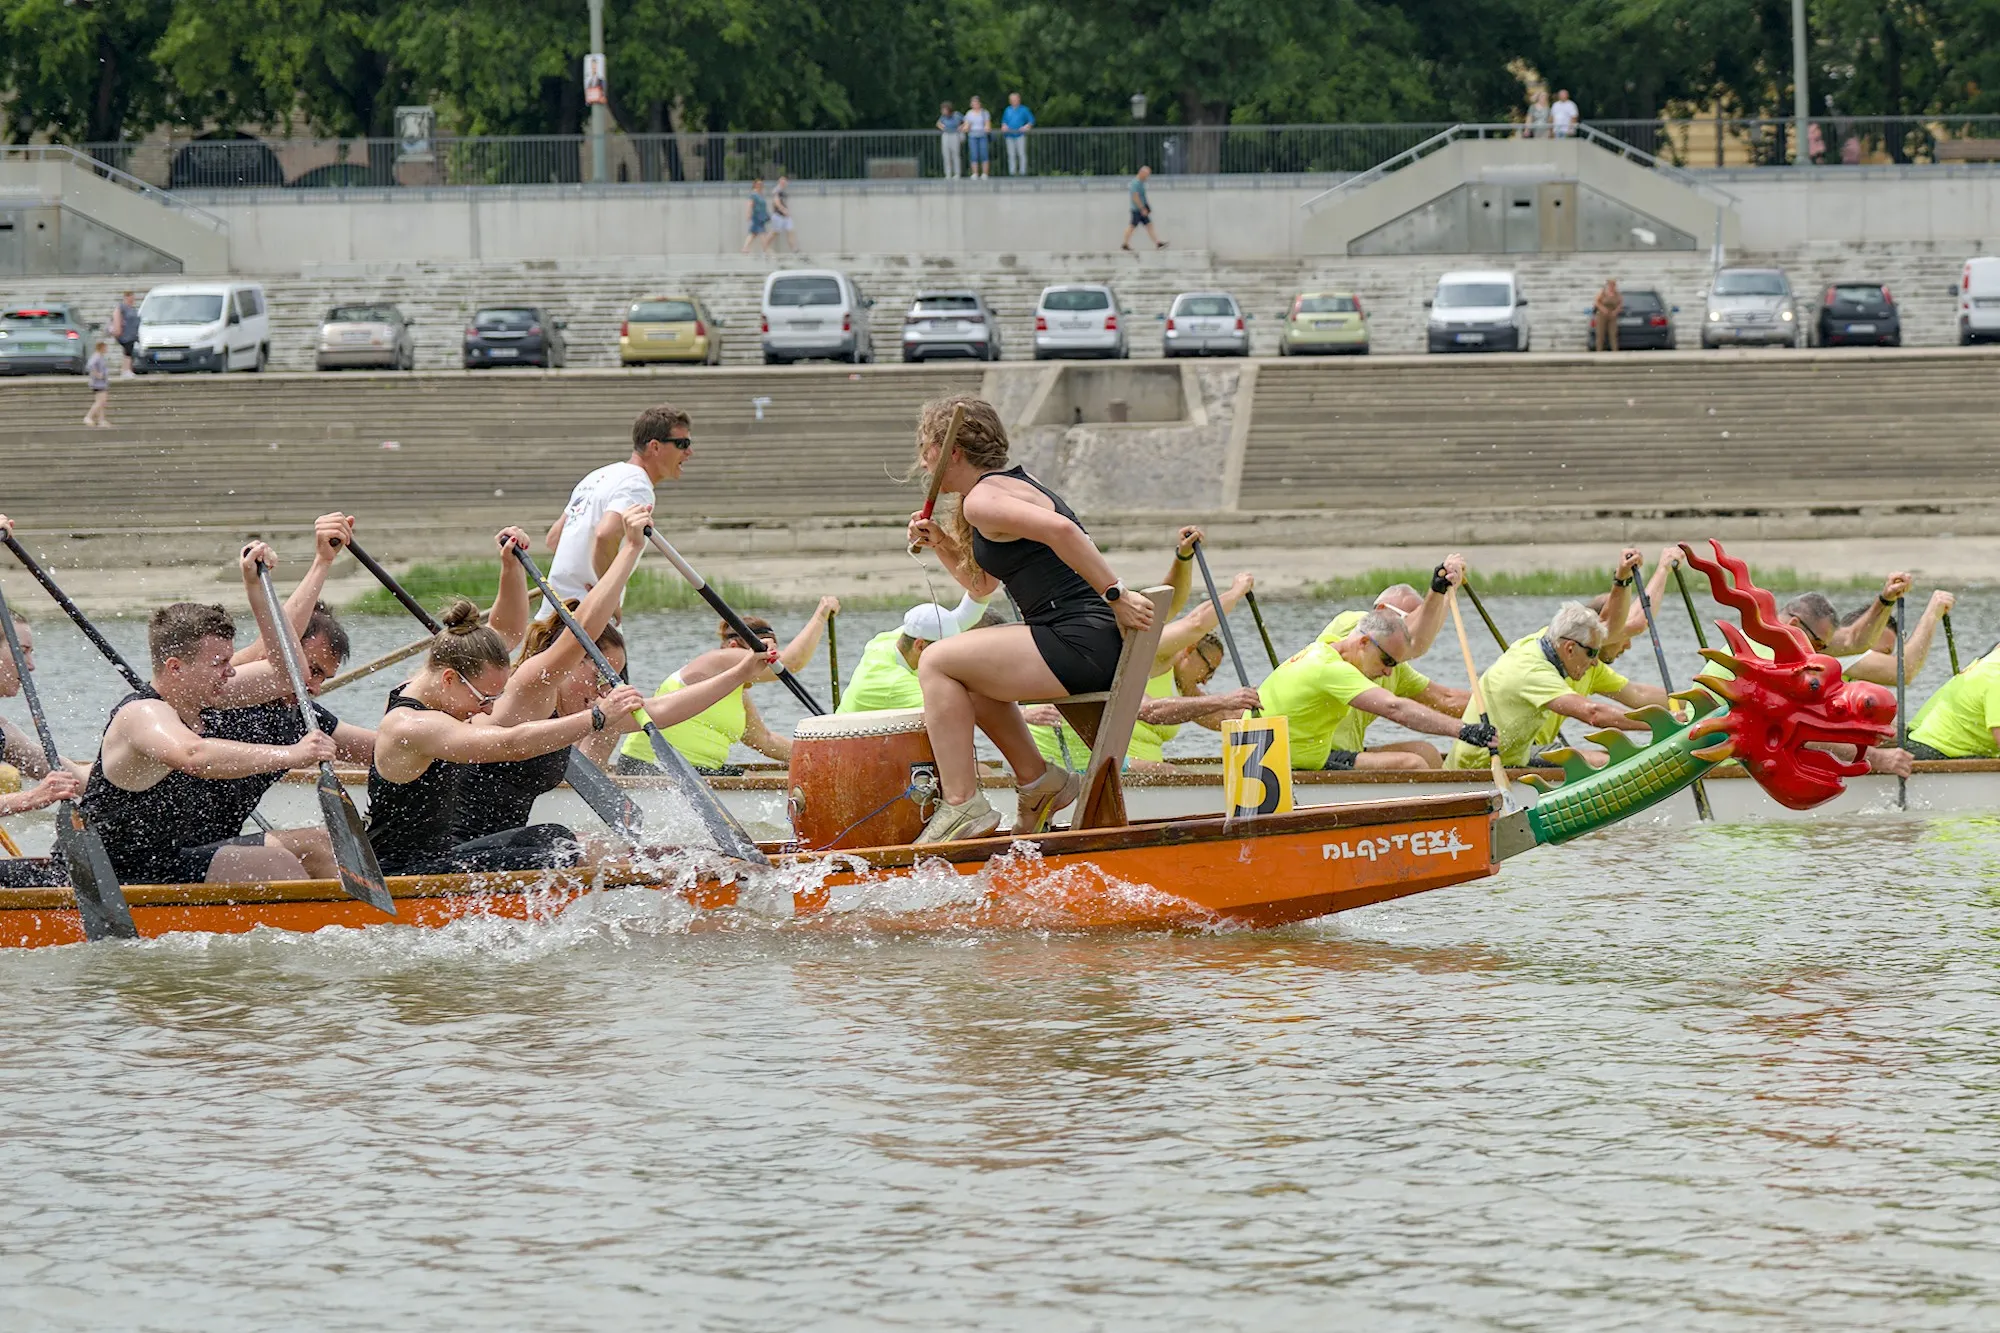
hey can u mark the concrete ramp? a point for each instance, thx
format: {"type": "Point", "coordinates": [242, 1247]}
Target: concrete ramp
{"type": "Point", "coordinates": [1472, 195]}
{"type": "Point", "coordinates": [64, 212]}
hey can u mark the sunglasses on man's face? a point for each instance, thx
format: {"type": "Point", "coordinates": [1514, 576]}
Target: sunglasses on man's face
{"type": "Point", "coordinates": [1585, 648]}
{"type": "Point", "coordinates": [1388, 658]}
{"type": "Point", "coordinates": [681, 442]}
{"type": "Point", "coordinates": [1818, 644]}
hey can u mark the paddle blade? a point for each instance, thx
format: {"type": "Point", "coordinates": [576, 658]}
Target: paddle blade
{"type": "Point", "coordinates": [360, 872]}
{"type": "Point", "coordinates": [605, 798]}
{"type": "Point", "coordinates": [731, 837]}
{"type": "Point", "coordinates": [99, 899]}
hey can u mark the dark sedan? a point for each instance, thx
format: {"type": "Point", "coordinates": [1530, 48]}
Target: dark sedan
{"type": "Point", "coordinates": [1646, 323]}
{"type": "Point", "coordinates": [42, 340]}
{"type": "Point", "coordinates": [515, 335]}
{"type": "Point", "coordinates": [1863, 313]}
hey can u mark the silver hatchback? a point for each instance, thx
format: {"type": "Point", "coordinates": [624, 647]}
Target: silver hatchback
{"type": "Point", "coordinates": [1205, 324]}
{"type": "Point", "coordinates": [950, 324]}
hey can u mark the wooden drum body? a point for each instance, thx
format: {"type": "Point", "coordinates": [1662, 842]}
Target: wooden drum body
{"type": "Point", "coordinates": [862, 779]}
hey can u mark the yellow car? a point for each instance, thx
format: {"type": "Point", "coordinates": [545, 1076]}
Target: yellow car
{"type": "Point", "coordinates": [1321, 322]}
{"type": "Point", "coordinates": [669, 328]}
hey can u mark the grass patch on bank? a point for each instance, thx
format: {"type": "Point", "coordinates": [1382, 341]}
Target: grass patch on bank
{"type": "Point", "coordinates": [1561, 583]}
{"type": "Point", "coordinates": [650, 590]}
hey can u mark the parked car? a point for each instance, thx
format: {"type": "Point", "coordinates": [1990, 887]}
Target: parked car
{"type": "Point", "coordinates": [1751, 305]}
{"type": "Point", "coordinates": [815, 314]}
{"type": "Point", "coordinates": [366, 335]}
{"type": "Point", "coordinates": [955, 323]}
{"type": "Point", "coordinates": [42, 338]}
{"type": "Point", "coordinates": [1079, 319]}
{"type": "Point", "coordinates": [1858, 313]}
{"type": "Point", "coordinates": [213, 326]}
{"type": "Point", "coordinates": [1324, 322]}
{"type": "Point", "coordinates": [514, 335]}
{"type": "Point", "coordinates": [1205, 324]}
{"type": "Point", "coordinates": [1478, 310]}
{"type": "Point", "coordinates": [670, 328]}
{"type": "Point", "coordinates": [1977, 297]}
{"type": "Point", "coordinates": [1645, 324]}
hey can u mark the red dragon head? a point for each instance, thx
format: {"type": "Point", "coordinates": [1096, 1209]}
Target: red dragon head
{"type": "Point", "coordinates": [1782, 705]}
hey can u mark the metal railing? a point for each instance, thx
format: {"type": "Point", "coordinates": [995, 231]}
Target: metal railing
{"type": "Point", "coordinates": [169, 163]}
{"type": "Point", "coordinates": [102, 169]}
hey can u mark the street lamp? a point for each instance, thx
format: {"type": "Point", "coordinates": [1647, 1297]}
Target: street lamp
{"type": "Point", "coordinates": [1138, 106]}
{"type": "Point", "coordinates": [1801, 101]}
{"type": "Point", "coordinates": [600, 113]}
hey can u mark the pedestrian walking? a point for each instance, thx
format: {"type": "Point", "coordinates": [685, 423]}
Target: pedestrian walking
{"type": "Point", "coordinates": [979, 139]}
{"type": "Point", "coordinates": [1015, 122]}
{"type": "Point", "coordinates": [1142, 211]}
{"type": "Point", "coordinates": [1564, 114]}
{"type": "Point", "coordinates": [99, 371]}
{"type": "Point", "coordinates": [757, 217]}
{"type": "Point", "coordinates": [951, 128]}
{"type": "Point", "coordinates": [781, 215]}
{"type": "Point", "coordinates": [1538, 115]}
{"type": "Point", "coordinates": [125, 328]}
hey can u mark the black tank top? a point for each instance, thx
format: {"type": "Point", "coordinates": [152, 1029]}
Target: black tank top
{"type": "Point", "coordinates": [501, 796]}
{"type": "Point", "coordinates": [415, 821]}
{"type": "Point", "coordinates": [1044, 588]}
{"type": "Point", "coordinates": [274, 723]}
{"type": "Point", "coordinates": [180, 810]}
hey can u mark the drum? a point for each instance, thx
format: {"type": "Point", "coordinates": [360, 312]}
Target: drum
{"type": "Point", "coordinates": [862, 779]}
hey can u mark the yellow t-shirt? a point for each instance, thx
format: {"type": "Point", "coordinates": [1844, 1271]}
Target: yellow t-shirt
{"type": "Point", "coordinates": [881, 679]}
{"type": "Point", "coordinates": [1148, 741]}
{"type": "Point", "coordinates": [1405, 682]}
{"type": "Point", "coordinates": [703, 739]}
{"type": "Point", "coordinates": [1958, 720]}
{"type": "Point", "coordinates": [1315, 688]}
{"type": "Point", "coordinates": [1518, 690]}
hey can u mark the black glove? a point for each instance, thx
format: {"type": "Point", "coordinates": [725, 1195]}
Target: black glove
{"type": "Point", "coordinates": [1439, 583]}
{"type": "Point", "coordinates": [1480, 736]}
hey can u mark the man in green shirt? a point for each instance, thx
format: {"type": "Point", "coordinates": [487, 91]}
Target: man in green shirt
{"type": "Point", "coordinates": [1962, 720]}
{"type": "Point", "coordinates": [1424, 615]}
{"type": "Point", "coordinates": [1320, 687]}
{"type": "Point", "coordinates": [886, 675]}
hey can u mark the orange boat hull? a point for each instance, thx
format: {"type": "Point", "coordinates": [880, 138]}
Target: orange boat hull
{"type": "Point", "coordinates": [1179, 873]}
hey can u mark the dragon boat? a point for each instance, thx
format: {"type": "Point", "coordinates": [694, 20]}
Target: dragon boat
{"type": "Point", "coordinates": [1768, 715]}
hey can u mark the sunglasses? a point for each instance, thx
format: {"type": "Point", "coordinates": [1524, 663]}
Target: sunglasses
{"type": "Point", "coordinates": [1585, 648]}
{"type": "Point", "coordinates": [1388, 659]}
{"type": "Point", "coordinates": [682, 443]}
{"type": "Point", "coordinates": [485, 700]}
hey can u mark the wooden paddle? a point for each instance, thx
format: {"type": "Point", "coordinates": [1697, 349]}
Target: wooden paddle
{"type": "Point", "coordinates": [360, 872]}
{"type": "Point", "coordinates": [1480, 607]}
{"type": "Point", "coordinates": [722, 826]}
{"type": "Point", "coordinates": [1701, 810]}
{"type": "Point", "coordinates": [1478, 696]}
{"type": "Point", "coordinates": [730, 618]}
{"type": "Point", "coordinates": [937, 472]}
{"type": "Point", "coordinates": [1700, 635]}
{"type": "Point", "coordinates": [382, 663]}
{"type": "Point", "coordinates": [99, 899]}
{"type": "Point", "coordinates": [1250, 596]}
{"type": "Point", "coordinates": [1902, 711]}
{"type": "Point", "coordinates": [833, 657]}
{"type": "Point", "coordinates": [604, 797]}
{"type": "Point", "coordinates": [81, 621]}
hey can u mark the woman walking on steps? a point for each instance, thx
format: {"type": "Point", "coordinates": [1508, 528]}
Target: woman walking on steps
{"type": "Point", "coordinates": [1009, 529]}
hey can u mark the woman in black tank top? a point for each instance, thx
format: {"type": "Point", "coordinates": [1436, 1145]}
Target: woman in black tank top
{"type": "Point", "coordinates": [1010, 530]}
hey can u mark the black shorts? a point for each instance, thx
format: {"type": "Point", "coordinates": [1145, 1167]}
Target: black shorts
{"type": "Point", "coordinates": [1140, 219]}
{"type": "Point", "coordinates": [33, 872]}
{"type": "Point", "coordinates": [1918, 750]}
{"type": "Point", "coordinates": [1082, 652]}
{"type": "Point", "coordinates": [1340, 760]}
{"type": "Point", "coordinates": [174, 865]}
{"type": "Point", "coordinates": [536, 847]}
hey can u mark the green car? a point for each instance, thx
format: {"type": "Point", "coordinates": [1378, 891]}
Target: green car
{"type": "Point", "coordinates": [1324, 322]}
{"type": "Point", "coordinates": [42, 340]}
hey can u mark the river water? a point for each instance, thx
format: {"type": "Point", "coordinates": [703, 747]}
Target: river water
{"type": "Point", "coordinates": [1729, 1077]}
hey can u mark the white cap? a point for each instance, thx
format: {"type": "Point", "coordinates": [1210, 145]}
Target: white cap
{"type": "Point", "coordinates": [929, 622]}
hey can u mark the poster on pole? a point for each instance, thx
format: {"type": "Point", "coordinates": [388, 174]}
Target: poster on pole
{"type": "Point", "coordinates": [414, 127]}
{"type": "Point", "coordinates": [593, 79]}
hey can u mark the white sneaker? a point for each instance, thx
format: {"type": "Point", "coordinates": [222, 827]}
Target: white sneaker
{"type": "Point", "coordinates": [1036, 803]}
{"type": "Point", "coordinates": [975, 819]}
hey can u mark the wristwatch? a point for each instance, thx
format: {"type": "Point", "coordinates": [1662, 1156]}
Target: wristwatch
{"type": "Point", "coordinates": [1115, 591]}
{"type": "Point", "coordinates": [596, 718]}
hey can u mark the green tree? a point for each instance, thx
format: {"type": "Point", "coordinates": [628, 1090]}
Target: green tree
{"type": "Point", "coordinates": [82, 73]}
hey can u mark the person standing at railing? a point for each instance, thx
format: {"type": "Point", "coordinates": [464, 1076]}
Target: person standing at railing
{"type": "Point", "coordinates": [1538, 116]}
{"type": "Point", "coordinates": [757, 217]}
{"type": "Point", "coordinates": [1564, 114]}
{"type": "Point", "coordinates": [979, 139]}
{"type": "Point", "coordinates": [781, 215]}
{"type": "Point", "coordinates": [125, 328]}
{"type": "Point", "coordinates": [949, 124]}
{"type": "Point", "coordinates": [1015, 122]}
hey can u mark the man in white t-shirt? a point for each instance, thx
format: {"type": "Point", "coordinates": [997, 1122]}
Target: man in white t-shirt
{"type": "Point", "coordinates": [586, 537]}
{"type": "Point", "coordinates": [1564, 115]}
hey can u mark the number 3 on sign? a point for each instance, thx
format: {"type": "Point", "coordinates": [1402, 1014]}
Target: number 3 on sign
{"type": "Point", "coordinates": [1256, 766]}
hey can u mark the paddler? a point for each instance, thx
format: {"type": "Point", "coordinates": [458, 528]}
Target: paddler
{"type": "Point", "coordinates": [1424, 611]}
{"type": "Point", "coordinates": [587, 535]}
{"type": "Point", "coordinates": [1962, 720]}
{"type": "Point", "coordinates": [1009, 529]}
{"type": "Point", "coordinates": [886, 675]}
{"type": "Point", "coordinates": [1424, 616]}
{"type": "Point", "coordinates": [429, 742]}
{"type": "Point", "coordinates": [162, 793]}
{"type": "Point", "coordinates": [705, 737]}
{"type": "Point", "coordinates": [24, 754]}
{"type": "Point", "coordinates": [1189, 656]}
{"type": "Point", "coordinates": [1878, 663]}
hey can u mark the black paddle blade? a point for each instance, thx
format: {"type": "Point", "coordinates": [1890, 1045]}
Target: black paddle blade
{"type": "Point", "coordinates": [360, 872]}
{"type": "Point", "coordinates": [605, 798]}
{"type": "Point", "coordinates": [99, 899]}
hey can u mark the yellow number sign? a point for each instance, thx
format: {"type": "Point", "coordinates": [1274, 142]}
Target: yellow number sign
{"type": "Point", "coordinates": [1256, 766]}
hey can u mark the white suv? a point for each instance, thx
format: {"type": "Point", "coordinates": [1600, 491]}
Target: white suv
{"type": "Point", "coordinates": [1079, 319]}
{"type": "Point", "coordinates": [1478, 310]}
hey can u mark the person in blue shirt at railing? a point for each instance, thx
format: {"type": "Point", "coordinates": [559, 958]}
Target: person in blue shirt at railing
{"type": "Point", "coordinates": [1015, 122]}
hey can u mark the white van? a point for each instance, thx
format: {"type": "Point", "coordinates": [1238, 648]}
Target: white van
{"type": "Point", "coordinates": [815, 313]}
{"type": "Point", "coordinates": [1477, 310]}
{"type": "Point", "coordinates": [1977, 294]}
{"type": "Point", "coordinates": [214, 326]}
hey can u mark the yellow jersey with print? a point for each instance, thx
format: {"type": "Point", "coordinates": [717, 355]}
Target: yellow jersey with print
{"type": "Point", "coordinates": [1405, 682]}
{"type": "Point", "coordinates": [1148, 740]}
{"type": "Point", "coordinates": [1518, 690]}
{"type": "Point", "coordinates": [881, 679]}
{"type": "Point", "coordinates": [703, 739]}
{"type": "Point", "coordinates": [1958, 720]}
{"type": "Point", "coordinates": [1315, 688]}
